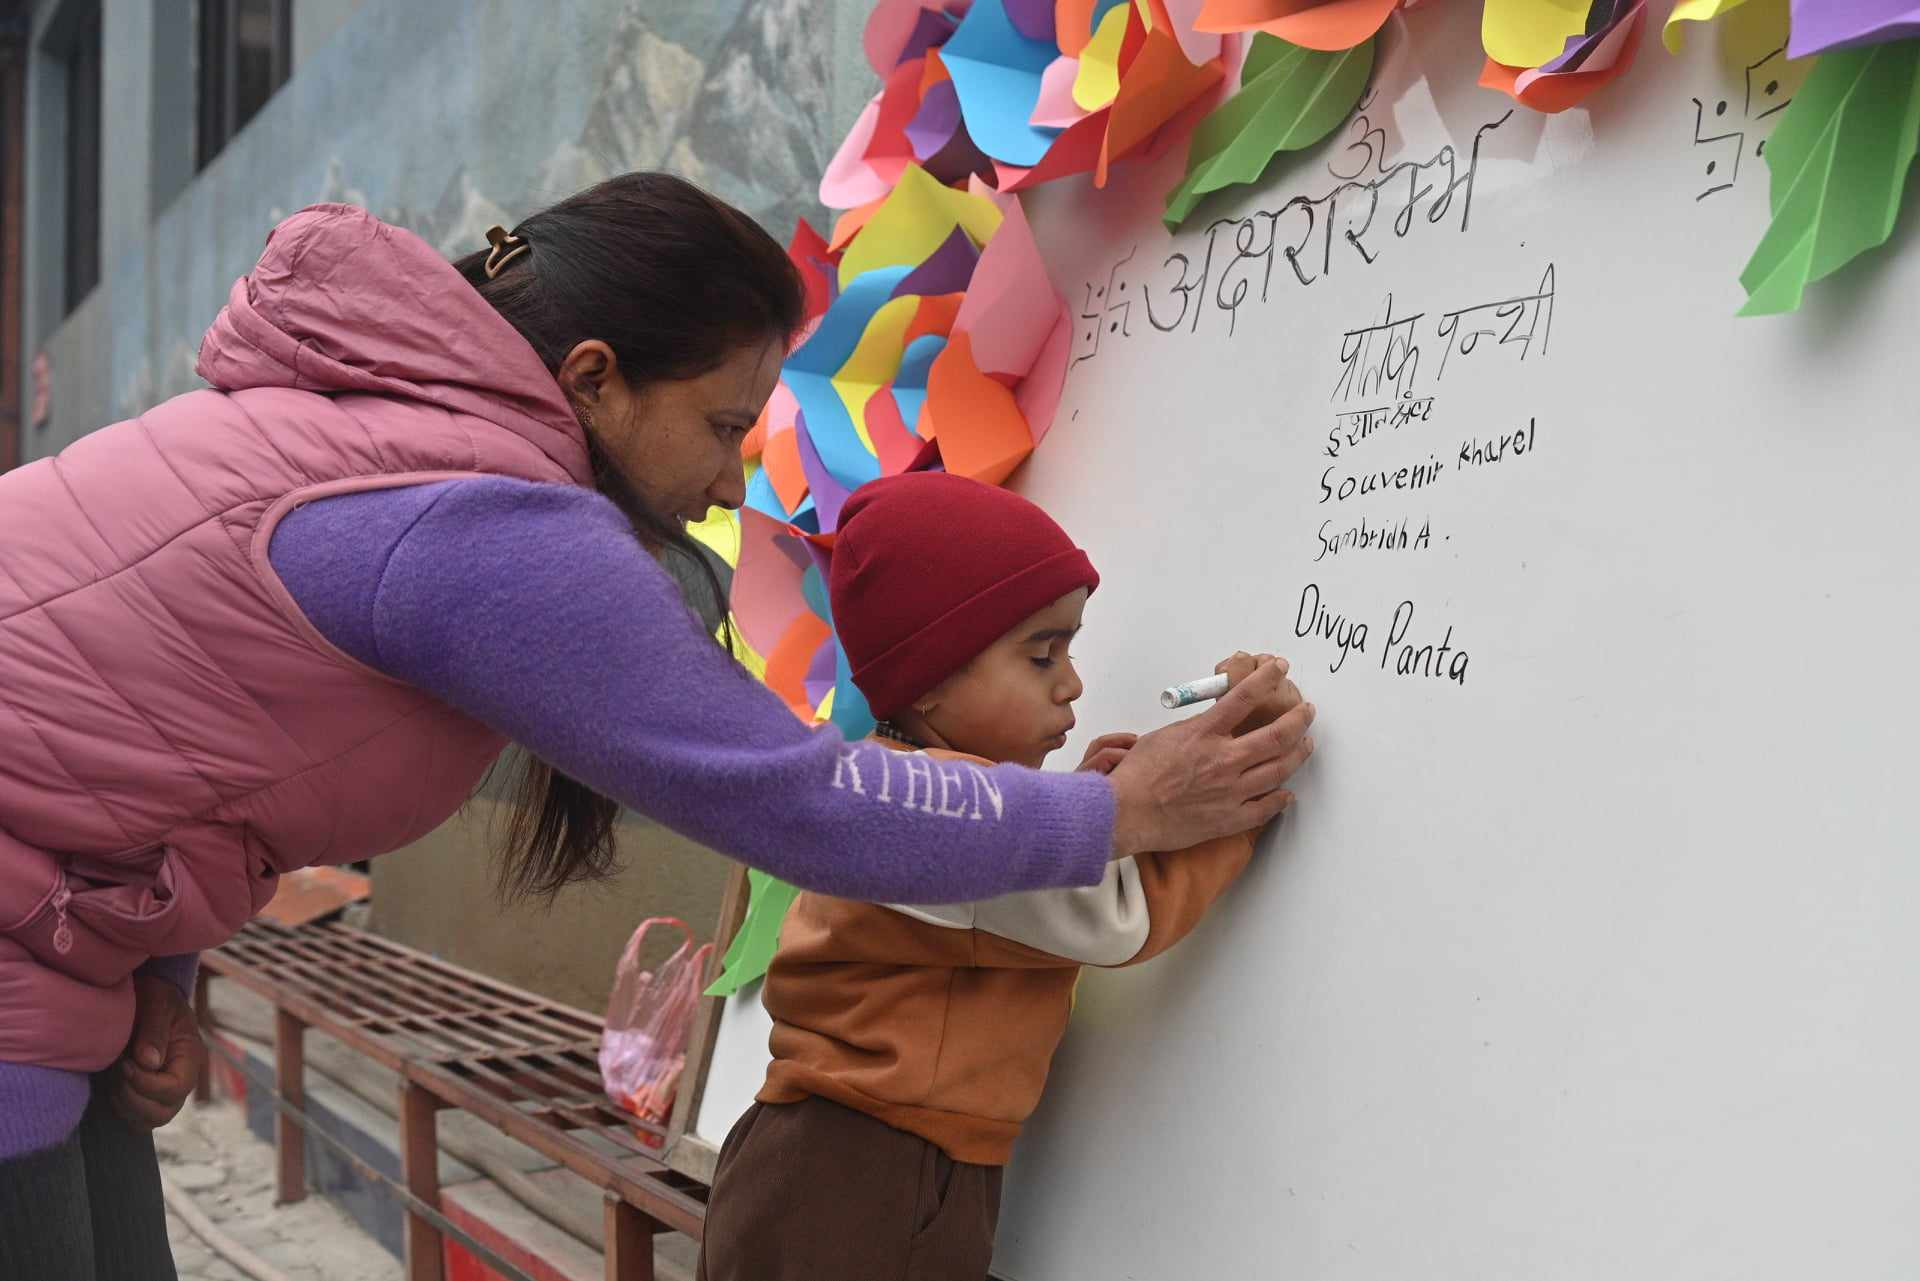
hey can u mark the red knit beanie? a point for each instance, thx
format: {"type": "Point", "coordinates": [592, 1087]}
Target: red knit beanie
{"type": "Point", "coordinates": [929, 569]}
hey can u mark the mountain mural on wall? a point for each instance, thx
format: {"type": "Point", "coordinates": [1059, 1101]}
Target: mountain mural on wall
{"type": "Point", "coordinates": [749, 122]}
{"type": "Point", "coordinates": [735, 96]}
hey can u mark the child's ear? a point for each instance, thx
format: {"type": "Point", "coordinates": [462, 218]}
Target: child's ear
{"type": "Point", "coordinates": [932, 699]}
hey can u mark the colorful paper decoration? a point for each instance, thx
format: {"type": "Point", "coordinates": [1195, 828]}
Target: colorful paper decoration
{"type": "Point", "coordinates": [1291, 97]}
{"type": "Point", "coordinates": [1019, 92]}
{"type": "Point", "coordinates": [1672, 35]}
{"type": "Point", "coordinates": [1839, 162]}
{"type": "Point", "coordinates": [754, 943]}
{"type": "Point", "coordinates": [1327, 25]}
{"type": "Point", "coordinates": [1591, 59]}
{"type": "Point", "coordinates": [942, 326]}
{"type": "Point", "coordinates": [1527, 33]}
{"type": "Point", "coordinates": [929, 313]}
{"type": "Point", "coordinates": [1819, 25]}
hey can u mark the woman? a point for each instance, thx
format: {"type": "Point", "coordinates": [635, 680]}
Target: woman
{"type": "Point", "coordinates": [294, 619]}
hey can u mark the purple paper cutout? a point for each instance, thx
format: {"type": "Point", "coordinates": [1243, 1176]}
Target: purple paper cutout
{"type": "Point", "coordinates": [930, 30]}
{"type": "Point", "coordinates": [822, 672]}
{"type": "Point", "coordinates": [933, 124]}
{"type": "Point", "coordinates": [828, 494]}
{"type": "Point", "coordinates": [1032, 18]}
{"type": "Point", "coordinates": [1843, 24]}
{"type": "Point", "coordinates": [940, 139]}
{"type": "Point", "coordinates": [947, 270]}
{"type": "Point", "coordinates": [959, 159]}
{"type": "Point", "coordinates": [1601, 23]}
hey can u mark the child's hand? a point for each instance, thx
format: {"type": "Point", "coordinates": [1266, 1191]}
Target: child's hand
{"type": "Point", "coordinates": [1267, 710]}
{"type": "Point", "coordinates": [1107, 751]}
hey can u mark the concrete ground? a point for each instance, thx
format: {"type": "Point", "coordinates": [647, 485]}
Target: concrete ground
{"type": "Point", "coordinates": [209, 1153]}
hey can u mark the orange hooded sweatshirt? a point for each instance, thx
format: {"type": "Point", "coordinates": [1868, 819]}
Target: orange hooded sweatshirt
{"type": "Point", "coordinates": [943, 1020]}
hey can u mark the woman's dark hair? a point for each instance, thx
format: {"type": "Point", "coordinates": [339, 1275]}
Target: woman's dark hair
{"type": "Point", "coordinates": [674, 282]}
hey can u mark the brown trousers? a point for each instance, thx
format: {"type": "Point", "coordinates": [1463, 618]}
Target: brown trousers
{"type": "Point", "coordinates": [813, 1191]}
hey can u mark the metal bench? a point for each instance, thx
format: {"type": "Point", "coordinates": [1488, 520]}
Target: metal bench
{"type": "Point", "coordinates": [524, 1064]}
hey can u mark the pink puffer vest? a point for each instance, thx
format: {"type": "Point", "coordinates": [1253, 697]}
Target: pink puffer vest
{"type": "Point", "coordinates": [174, 734]}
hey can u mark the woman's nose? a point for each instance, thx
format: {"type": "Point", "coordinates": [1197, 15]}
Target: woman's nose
{"type": "Point", "coordinates": [729, 488]}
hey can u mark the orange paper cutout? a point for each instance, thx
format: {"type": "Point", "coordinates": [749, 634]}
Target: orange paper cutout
{"type": "Point", "coordinates": [1159, 86]}
{"type": "Point", "coordinates": [849, 223]}
{"type": "Point", "coordinates": [1072, 25]}
{"type": "Point", "coordinates": [936, 72]}
{"type": "Point", "coordinates": [788, 663]}
{"type": "Point", "coordinates": [935, 315]}
{"type": "Point", "coordinates": [979, 426]}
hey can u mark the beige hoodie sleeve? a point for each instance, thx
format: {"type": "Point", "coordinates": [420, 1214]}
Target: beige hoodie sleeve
{"type": "Point", "coordinates": [1144, 906]}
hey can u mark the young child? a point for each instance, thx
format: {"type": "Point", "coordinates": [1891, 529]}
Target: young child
{"type": "Point", "coordinates": [910, 1043]}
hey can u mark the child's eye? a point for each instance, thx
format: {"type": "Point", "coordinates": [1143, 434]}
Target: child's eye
{"type": "Point", "coordinates": [1042, 663]}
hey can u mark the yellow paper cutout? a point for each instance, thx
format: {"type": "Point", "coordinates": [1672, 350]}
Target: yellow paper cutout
{"type": "Point", "coordinates": [719, 531]}
{"type": "Point", "coordinates": [747, 656]}
{"type": "Point", "coordinates": [1098, 81]}
{"type": "Point", "coordinates": [1527, 33]}
{"type": "Point", "coordinates": [1674, 35]}
{"type": "Point", "coordinates": [875, 361]}
{"type": "Point", "coordinates": [1749, 34]}
{"type": "Point", "coordinates": [913, 221]}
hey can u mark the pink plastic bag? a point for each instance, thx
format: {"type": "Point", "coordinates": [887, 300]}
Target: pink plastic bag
{"type": "Point", "coordinates": [643, 1049]}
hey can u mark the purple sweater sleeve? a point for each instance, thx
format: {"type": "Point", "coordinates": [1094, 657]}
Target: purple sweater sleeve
{"type": "Point", "coordinates": [533, 609]}
{"type": "Point", "coordinates": [177, 970]}
{"type": "Point", "coordinates": [39, 1106]}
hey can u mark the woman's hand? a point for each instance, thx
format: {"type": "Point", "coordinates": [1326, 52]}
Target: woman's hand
{"type": "Point", "coordinates": [1107, 751]}
{"type": "Point", "coordinates": [1269, 710]}
{"type": "Point", "coordinates": [1202, 778]}
{"type": "Point", "coordinates": [163, 1060]}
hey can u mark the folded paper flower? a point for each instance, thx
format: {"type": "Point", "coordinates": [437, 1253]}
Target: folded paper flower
{"type": "Point", "coordinates": [1290, 98]}
{"type": "Point", "coordinates": [943, 328]}
{"type": "Point", "coordinates": [1019, 92]}
{"type": "Point", "coordinates": [1685, 11]}
{"type": "Point", "coordinates": [1838, 164]}
{"type": "Point", "coordinates": [1602, 52]}
{"type": "Point", "coordinates": [1849, 24]}
{"type": "Point", "coordinates": [1328, 25]}
{"type": "Point", "coordinates": [1528, 33]}
{"type": "Point", "coordinates": [900, 30]}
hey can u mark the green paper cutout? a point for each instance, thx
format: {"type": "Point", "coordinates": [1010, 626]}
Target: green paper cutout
{"type": "Point", "coordinates": [1839, 162]}
{"type": "Point", "coordinates": [1289, 99]}
{"type": "Point", "coordinates": [758, 937]}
